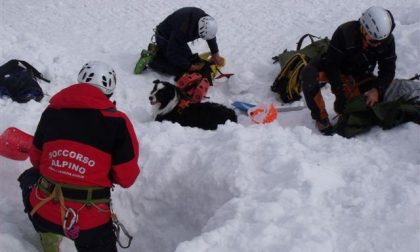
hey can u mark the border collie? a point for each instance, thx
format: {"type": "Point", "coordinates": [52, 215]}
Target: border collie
{"type": "Point", "coordinates": [172, 104]}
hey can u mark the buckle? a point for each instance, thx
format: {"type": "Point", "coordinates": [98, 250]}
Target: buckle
{"type": "Point", "coordinates": [45, 185]}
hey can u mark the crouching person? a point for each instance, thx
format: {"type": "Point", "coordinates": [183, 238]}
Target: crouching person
{"type": "Point", "coordinates": [82, 146]}
{"type": "Point", "coordinates": [355, 49]}
{"type": "Point", "coordinates": [174, 56]}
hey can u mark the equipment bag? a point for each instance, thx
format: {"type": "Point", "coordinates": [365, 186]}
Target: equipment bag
{"type": "Point", "coordinates": [214, 69]}
{"type": "Point", "coordinates": [287, 83]}
{"type": "Point", "coordinates": [194, 85]}
{"type": "Point", "coordinates": [18, 80]}
{"type": "Point", "coordinates": [403, 88]}
{"type": "Point", "coordinates": [359, 118]}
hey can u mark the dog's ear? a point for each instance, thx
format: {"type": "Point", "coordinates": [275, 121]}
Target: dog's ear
{"type": "Point", "coordinates": [156, 81]}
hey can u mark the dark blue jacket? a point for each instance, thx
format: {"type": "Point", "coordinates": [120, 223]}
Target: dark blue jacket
{"type": "Point", "coordinates": [18, 80]}
{"type": "Point", "coordinates": [178, 29]}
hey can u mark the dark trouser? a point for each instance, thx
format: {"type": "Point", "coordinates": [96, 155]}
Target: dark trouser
{"type": "Point", "coordinates": [98, 239]}
{"type": "Point", "coordinates": [161, 63]}
{"type": "Point", "coordinates": [312, 91]}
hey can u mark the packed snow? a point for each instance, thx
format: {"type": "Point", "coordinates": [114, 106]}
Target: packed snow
{"type": "Point", "coordinates": [245, 187]}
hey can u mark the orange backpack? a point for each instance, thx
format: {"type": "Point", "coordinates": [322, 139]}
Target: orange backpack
{"type": "Point", "coordinates": [194, 85]}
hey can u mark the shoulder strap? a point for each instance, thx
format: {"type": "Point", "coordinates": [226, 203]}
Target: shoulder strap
{"type": "Point", "coordinates": [35, 72]}
{"type": "Point", "coordinates": [299, 43]}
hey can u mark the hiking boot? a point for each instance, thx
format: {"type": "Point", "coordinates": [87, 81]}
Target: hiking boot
{"type": "Point", "coordinates": [145, 58]}
{"type": "Point", "coordinates": [50, 242]}
{"type": "Point", "coordinates": [324, 126]}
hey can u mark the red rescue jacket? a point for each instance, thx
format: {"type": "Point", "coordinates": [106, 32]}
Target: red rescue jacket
{"type": "Point", "coordinates": [83, 140]}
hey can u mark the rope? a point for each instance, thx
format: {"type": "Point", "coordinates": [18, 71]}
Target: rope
{"type": "Point", "coordinates": [291, 70]}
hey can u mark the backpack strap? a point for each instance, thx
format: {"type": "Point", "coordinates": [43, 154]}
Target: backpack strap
{"type": "Point", "coordinates": [29, 67]}
{"type": "Point", "coordinates": [299, 43]}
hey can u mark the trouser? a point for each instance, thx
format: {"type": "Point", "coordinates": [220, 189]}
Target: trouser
{"type": "Point", "coordinates": [98, 239]}
{"type": "Point", "coordinates": [161, 63]}
{"type": "Point", "coordinates": [313, 78]}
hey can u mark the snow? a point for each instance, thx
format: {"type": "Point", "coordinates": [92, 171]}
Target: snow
{"type": "Point", "coordinates": [244, 187]}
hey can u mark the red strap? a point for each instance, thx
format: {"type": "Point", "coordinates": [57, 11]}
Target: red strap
{"type": "Point", "coordinates": [227, 75]}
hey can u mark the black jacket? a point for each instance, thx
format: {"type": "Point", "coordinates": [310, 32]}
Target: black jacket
{"type": "Point", "coordinates": [177, 30]}
{"type": "Point", "coordinates": [346, 55]}
{"type": "Point", "coordinates": [18, 80]}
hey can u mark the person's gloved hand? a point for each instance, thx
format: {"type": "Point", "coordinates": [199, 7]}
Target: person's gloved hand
{"type": "Point", "coordinates": [217, 59]}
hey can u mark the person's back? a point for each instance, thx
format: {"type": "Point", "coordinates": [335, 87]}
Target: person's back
{"type": "Point", "coordinates": [183, 23]}
{"type": "Point", "coordinates": [82, 146]}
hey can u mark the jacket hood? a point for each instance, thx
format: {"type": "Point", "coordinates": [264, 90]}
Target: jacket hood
{"type": "Point", "coordinates": [81, 96]}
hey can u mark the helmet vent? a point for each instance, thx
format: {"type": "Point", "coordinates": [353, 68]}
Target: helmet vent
{"type": "Point", "coordinates": [98, 74]}
{"type": "Point", "coordinates": [104, 82]}
{"type": "Point", "coordinates": [89, 78]}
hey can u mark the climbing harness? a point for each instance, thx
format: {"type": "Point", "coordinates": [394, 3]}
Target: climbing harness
{"type": "Point", "coordinates": [87, 196]}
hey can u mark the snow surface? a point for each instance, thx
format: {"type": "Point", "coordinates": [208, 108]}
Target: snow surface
{"type": "Point", "coordinates": [244, 187]}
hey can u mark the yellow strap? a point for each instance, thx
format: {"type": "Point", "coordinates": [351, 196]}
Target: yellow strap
{"type": "Point", "coordinates": [61, 200]}
{"type": "Point", "coordinates": [43, 202]}
{"type": "Point", "coordinates": [56, 193]}
{"type": "Point", "coordinates": [207, 57]}
{"type": "Point", "coordinates": [291, 70]}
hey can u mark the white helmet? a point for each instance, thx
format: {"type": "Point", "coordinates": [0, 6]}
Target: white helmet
{"type": "Point", "coordinates": [207, 28]}
{"type": "Point", "coordinates": [378, 22]}
{"type": "Point", "coordinates": [100, 75]}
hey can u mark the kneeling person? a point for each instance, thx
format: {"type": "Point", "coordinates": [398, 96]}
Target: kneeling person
{"type": "Point", "coordinates": [355, 49]}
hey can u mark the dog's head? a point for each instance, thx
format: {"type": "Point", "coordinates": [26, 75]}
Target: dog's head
{"type": "Point", "coordinates": [164, 97]}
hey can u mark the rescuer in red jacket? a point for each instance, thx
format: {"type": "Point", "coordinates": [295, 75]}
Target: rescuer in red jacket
{"type": "Point", "coordinates": [82, 146]}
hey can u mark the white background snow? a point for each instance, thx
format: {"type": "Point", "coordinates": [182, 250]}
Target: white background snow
{"type": "Point", "coordinates": [244, 187]}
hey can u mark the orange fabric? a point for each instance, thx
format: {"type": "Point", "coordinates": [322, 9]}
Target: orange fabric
{"type": "Point", "coordinates": [350, 86]}
{"type": "Point", "coordinates": [262, 114]}
{"type": "Point", "coordinates": [183, 104]}
{"type": "Point", "coordinates": [319, 101]}
{"type": "Point", "coordinates": [322, 77]}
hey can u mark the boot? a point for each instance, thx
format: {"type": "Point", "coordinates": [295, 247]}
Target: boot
{"type": "Point", "coordinates": [324, 126]}
{"type": "Point", "coordinates": [146, 57]}
{"type": "Point", "coordinates": [50, 242]}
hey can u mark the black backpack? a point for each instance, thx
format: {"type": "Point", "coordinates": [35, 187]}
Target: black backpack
{"type": "Point", "coordinates": [287, 83]}
{"type": "Point", "coordinates": [18, 80]}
